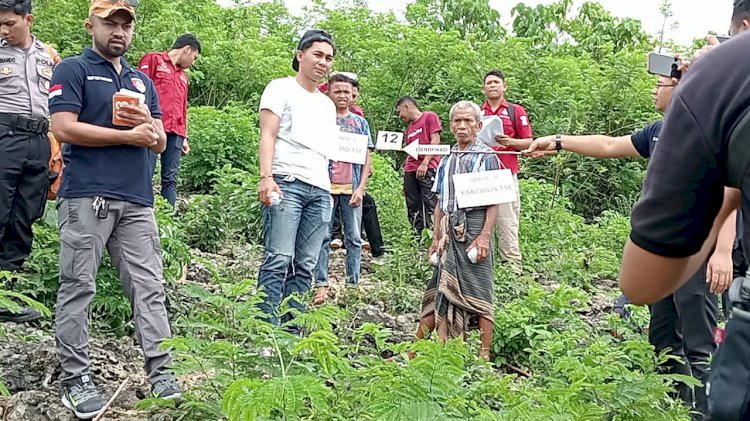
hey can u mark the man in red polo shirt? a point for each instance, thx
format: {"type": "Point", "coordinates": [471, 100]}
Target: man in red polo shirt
{"type": "Point", "coordinates": [419, 174]}
{"type": "Point", "coordinates": [167, 70]}
{"type": "Point", "coordinates": [517, 137]}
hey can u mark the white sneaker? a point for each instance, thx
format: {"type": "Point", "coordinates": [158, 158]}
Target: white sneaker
{"type": "Point", "coordinates": [379, 261]}
{"type": "Point", "coordinates": [336, 244]}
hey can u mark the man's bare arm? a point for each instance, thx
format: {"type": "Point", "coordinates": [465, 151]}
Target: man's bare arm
{"type": "Point", "coordinates": [646, 277]}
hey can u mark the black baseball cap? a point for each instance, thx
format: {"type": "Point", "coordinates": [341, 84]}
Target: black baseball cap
{"type": "Point", "coordinates": [311, 36]}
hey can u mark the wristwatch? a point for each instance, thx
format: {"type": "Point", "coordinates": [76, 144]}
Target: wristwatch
{"type": "Point", "coordinates": [558, 142]}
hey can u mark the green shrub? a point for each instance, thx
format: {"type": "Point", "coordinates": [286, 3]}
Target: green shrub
{"type": "Point", "coordinates": [230, 213]}
{"type": "Point", "coordinates": [218, 138]}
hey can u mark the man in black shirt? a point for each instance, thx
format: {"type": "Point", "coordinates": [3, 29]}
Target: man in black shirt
{"type": "Point", "coordinates": [683, 321]}
{"type": "Point", "coordinates": [676, 223]}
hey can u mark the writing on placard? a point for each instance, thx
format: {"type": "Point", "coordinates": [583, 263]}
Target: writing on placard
{"type": "Point", "coordinates": [434, 149]}
{"type": "Point", "coordinates": [389, 141]}
{"type": "Point", "coordinates": [351, 148]}
{"type": "Point", "coordinates": [484, 188]}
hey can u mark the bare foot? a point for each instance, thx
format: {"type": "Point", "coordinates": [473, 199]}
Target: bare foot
{"type": "Point", "coordinates": [485, 353]}
{"type": "Point", "coordinates": [321, 296]}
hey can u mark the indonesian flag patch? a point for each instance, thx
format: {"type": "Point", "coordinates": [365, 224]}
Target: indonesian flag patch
{"type": "Point", "coordinates": [55, 90]}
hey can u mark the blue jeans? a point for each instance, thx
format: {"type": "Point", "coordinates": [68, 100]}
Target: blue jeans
{"type": "Point", "coordinates": [293, 231]}
{"type": "Point", "coordinates": [170, 166]}
{"type": "Point", "coordinates": [351, 219]}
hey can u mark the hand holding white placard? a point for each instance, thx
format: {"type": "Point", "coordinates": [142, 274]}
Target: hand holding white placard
{"type": "Point", "coordinates": [484, 188]}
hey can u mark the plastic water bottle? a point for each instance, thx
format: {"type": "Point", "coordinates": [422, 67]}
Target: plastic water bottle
{"type": "Point", "coordinates": [473, 253]}
{"type": "Point", "coordinates": [275, 198]}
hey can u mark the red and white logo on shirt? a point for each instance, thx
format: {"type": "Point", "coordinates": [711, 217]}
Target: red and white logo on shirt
{"type": "Point", "coordinates": [55, 90]}
{"type": "Point", "coordinates": [139, 85]}
{"type": "Point", "coordinates": [524, 120]}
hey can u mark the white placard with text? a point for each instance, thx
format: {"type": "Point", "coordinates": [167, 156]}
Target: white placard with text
{"type": "Point", "coordinates": [313, 130]}
{"type": "Point", "coordinates": [484, 188]}
{"type": "Point", "coordinates": [389, 141]}
{"type": "Point", "coordinates": [351, 148]}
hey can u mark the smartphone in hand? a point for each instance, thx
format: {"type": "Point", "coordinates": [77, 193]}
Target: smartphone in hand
{"type": "Point", "coordinates": [663, 65]}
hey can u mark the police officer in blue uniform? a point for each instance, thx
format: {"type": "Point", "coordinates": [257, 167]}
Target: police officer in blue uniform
{"type": "Point", "coordinates": [25, 73]}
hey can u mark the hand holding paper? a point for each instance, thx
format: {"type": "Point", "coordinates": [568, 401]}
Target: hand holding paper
{"type": "Point", "coordinates": [492, 127]}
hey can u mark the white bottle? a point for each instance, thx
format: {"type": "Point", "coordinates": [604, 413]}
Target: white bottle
{"type": "Point", "coordinates": [473, 253]}
{"type": "Point", "coordinates": [434, 259]}
{"type": "Point", "coordinates": [275, 198]}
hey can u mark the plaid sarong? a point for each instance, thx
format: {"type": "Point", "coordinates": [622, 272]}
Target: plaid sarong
{"type": "Point", "coordinates": [458, 288]}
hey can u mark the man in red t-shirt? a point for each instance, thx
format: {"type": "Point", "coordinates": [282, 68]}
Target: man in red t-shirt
{"type": "Point", "coordinates": [166, 69]}
{"type": "Point", "coordinates": [517, 137]}
{"type": "Point", "coordinates": [419, 174]}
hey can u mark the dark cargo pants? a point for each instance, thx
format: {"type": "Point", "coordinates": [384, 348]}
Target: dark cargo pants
{"type": "Point", "coordinates": [130, 235]}
{"type": "Point", "coordinates": [684, 322]}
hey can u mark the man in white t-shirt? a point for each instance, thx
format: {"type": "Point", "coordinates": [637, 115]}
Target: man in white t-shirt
{"type": "Point", "coordinates": [296, 122]}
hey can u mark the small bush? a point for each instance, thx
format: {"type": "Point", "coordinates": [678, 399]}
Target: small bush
{"type": "Point", "coordinates": [218, 138]}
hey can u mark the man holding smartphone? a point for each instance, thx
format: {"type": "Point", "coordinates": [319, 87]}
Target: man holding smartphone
{"type": "Point", "coordinates": [684, 321]}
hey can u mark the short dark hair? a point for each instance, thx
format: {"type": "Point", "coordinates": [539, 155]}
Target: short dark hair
{"type": "Point", "coordinates": [337, 78]}
{"type": "Point", "coordinates": [496, 73]}
{"type": "Point", "coordinates": [19, 7]}
{"type": "Point", "coordinates": [741, 11]}
{"type": "Point", "coordinates": [355, 83]}
{"type": "Point", "coordinates": [186, 40]}
{"type": "Point", "coordinates": [406, 100]}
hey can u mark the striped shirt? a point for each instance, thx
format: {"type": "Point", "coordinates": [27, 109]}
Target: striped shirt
{"type": "Point", "coordinates": [461, 162]}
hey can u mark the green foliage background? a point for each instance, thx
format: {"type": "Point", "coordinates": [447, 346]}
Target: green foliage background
{"type": "Point", "coordinates": [575, 70]}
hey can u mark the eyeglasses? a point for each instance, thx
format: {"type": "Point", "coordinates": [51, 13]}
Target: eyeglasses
{"type": "Point", "coordinates": [664, 85]}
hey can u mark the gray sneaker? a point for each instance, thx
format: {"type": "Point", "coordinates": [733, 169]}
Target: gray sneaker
{"type": "Point", "coordinates": [81, 397]}
{"type": "Point", "coordinates": [166, 389]}
{"type": "Point", "coordinates": [27, 314]}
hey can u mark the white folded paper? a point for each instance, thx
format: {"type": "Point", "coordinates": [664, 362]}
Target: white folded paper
{"type": "Point", "coordinates": [492, 126]}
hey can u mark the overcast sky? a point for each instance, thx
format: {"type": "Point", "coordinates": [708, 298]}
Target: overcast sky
{"type": "Point", "coordinates": [695, 17]}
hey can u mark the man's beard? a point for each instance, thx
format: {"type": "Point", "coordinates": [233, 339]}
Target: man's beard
{"type": "Point", "coordinates": [111, 50]}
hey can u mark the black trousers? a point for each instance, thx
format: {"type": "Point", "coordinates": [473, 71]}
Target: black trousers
{"type": "Point", "coordinates": [24, 171]}
{"type": "Point", "coordinates": [684, 322]}
{"type": "Point", "coordinates": [370, 223]}
{"type": "Point", "coordinates": [420, 200]}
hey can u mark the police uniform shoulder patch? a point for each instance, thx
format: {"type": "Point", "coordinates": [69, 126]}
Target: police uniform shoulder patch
{"type": "Point", "coordinates": [139, 85]}
{"type": "Point", "coordinates": [6, 70]}
{"type": "Point", "coordinates": [47, 72]}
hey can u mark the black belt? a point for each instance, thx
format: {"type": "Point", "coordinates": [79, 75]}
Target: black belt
{"type": "Point", "coordinates": [19, 122]}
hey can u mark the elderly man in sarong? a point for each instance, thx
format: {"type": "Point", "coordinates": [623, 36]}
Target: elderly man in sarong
{"type": "Point", "coordinates": [461, 290]}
